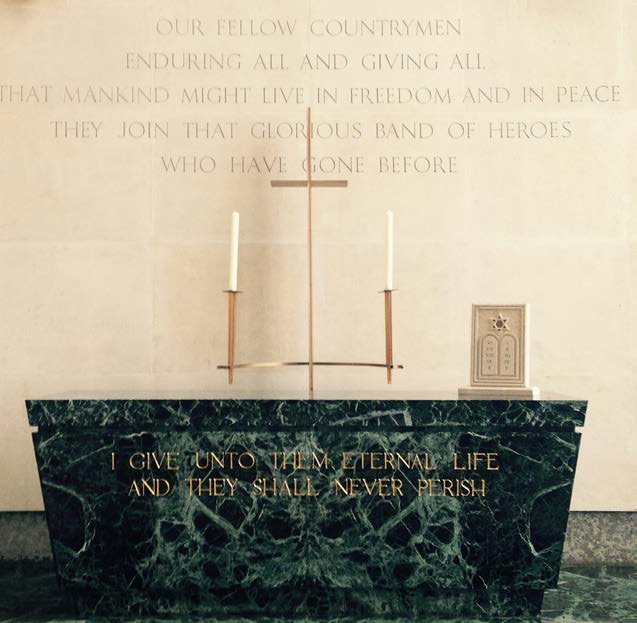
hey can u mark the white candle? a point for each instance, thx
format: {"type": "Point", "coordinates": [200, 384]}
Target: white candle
{"type": "Point", "coordinates": [234, 251]}
{"type": "Point", "coordinates": [389, 249]}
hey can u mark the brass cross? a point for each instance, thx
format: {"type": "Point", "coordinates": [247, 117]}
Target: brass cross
{"type": "Point", "coordinates": [309, 183]}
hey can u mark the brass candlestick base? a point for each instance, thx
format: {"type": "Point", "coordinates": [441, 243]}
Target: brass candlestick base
{"type": "Point", "coordinates": [231, 366]}
{"type": "Point", "coordinates": [389, 349]}
{"type": "Point", "coordinates": [232, 329]}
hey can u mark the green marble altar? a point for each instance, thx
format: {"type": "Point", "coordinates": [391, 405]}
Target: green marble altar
{"type": "Point", "coordinates": [344, 544]}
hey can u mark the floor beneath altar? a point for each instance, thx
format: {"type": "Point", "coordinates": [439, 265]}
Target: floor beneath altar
{"type": "Point", "coordinates": [585, 594]}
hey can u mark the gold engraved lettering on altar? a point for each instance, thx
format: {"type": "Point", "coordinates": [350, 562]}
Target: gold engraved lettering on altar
{"type": "Point", "coordinates": [307, 474]}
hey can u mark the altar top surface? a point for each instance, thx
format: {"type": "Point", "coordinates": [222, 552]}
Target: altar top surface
{"type": "Point", "coordinates": [362, 411]}
{"type": "Point", "coordinates": [207, 394]}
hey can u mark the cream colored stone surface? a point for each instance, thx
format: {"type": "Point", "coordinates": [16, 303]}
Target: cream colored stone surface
{"type": "Point", "coordinates": [499, 345]}
{"type": "Point", "coordinates": [111, 271]}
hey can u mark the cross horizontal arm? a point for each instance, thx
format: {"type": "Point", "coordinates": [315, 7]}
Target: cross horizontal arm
{"type": "Point", "coordinates": [304, 183]}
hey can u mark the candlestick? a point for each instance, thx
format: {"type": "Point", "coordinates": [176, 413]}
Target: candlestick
{"type": "Point", "coordinates": [234, 252]}
{"type": "Point", "coordinates": [232, 323]}
{"type": "Point", "coordinates": [389, 249]}
{"type": "Point", "coordinates": [389, 348]}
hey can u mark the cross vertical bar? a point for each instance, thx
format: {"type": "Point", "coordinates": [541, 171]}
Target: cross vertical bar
{"type": "Point", "coordinates": [308, 131]}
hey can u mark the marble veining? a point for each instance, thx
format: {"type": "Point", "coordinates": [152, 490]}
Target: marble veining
{"type": "Point", "coordinates": [255, 414]}
{"type": "Point", "coordinates": [327, 556]}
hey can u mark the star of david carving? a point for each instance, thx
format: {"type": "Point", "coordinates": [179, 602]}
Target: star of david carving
{"type": "Point", "coordinates": [500, 323]}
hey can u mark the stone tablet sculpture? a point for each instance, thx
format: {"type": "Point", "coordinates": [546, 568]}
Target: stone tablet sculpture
{"type": "Point", "coordinates": [500, 353]}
